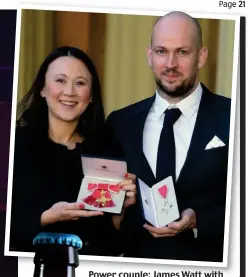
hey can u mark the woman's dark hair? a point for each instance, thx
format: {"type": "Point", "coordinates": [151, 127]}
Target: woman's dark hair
{"type": "Point", "coordinates": [32, 110]}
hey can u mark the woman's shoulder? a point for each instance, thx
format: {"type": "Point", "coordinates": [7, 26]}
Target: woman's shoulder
{"type": "Point", "coordinates": [22, 130]}
{"type": "Point", "coordinates": [23, 135]}
{"type": "Point", "coordinates": [27, 137]}
{"type": "Point", "coordinates": [29, 146]}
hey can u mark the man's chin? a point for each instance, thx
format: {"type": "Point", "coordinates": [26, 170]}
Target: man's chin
{"type": "Point", "coordinates": [170, 90]}
{"type": "Point", "coordinates": [173, 91]}
{"type": "Point", "coordinates": [171, 86]}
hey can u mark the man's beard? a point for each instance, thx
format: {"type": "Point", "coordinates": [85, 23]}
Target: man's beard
{"type": "Point", "coordinates": [180, 90]}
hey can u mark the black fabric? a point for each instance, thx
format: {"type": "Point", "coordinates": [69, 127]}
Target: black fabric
{"type": "Point", "coordinates": [201, 184]}
{"type": "Point", "coordinates": [166, 150]}
{"type": "Point", "coordinates": [46, 173]}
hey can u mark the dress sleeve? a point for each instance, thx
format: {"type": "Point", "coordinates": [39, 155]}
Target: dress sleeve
{"type": "Point", "coordinates": [28, 201]}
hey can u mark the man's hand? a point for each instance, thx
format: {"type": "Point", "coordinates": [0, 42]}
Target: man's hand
{"type": "Point", "coordinates": [187, 221]}
{"type": "Point", "coordinates": [64, 211]}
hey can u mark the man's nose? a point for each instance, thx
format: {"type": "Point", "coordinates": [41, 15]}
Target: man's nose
{"type": "Point", "coordinates": [171, 61]}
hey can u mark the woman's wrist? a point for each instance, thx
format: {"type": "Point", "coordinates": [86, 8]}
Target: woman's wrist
{"type": "Point", "coordinates": [117, 219]}
{"type": "Point", "coordinates": [46, 218]}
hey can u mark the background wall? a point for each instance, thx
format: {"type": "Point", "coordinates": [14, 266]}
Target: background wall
{"type": "Point", "coordinates": [117, 44]}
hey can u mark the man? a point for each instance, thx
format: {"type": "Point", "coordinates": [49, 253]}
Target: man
{"type": "Point", "coordinates": [176, 55]}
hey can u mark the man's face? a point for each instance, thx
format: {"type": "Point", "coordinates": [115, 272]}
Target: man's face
{"type": "Point", "coordinates": [174, 57]}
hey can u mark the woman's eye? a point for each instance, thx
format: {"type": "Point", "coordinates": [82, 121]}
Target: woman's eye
{"type": "Point", "coordinates": [80, 83]}
{"type": "Point", "coordinates": [60, 81]}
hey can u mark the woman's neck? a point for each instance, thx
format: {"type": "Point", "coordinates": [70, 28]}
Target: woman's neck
{"type": "Point", "coordinates": [64, 132]}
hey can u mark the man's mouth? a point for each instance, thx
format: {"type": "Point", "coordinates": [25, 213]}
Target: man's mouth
{"type": "Point", "coordinates": [170, 76]}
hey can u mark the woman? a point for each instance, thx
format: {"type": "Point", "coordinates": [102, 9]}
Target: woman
{"type": "Point", "coordinates": [60, 118]}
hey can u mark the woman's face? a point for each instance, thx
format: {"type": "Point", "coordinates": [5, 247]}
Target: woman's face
{"type": "Point", "coordinates": [67, 89]}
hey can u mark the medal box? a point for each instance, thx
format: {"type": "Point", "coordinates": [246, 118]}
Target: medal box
{"type": "Point", "coordinates": [100, 189]}
{"type": "Point", "coordinates": [159, 203]}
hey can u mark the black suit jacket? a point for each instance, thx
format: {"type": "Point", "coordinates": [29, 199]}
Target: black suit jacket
{"type": "Point", "coordinates": [201, 184]}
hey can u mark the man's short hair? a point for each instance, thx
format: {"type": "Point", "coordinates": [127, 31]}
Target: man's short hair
{"type": "Point", "coordinates": [194, 21]}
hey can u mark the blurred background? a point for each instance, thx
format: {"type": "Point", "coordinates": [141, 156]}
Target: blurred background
{"type": "Point", "coordinates": [7, 47]}
{"type": "Point", "coordinates": [8, 265]}
{"type": "Point", "coordinates": [117, 44]}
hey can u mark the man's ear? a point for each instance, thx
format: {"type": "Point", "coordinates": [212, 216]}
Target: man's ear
{"type": "Point", "coordinates": [202, 58]}
{"type": "Point", "coordinates": [149, 54]}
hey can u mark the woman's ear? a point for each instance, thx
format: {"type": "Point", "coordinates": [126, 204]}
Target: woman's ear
{"type": "Point", "coordinates": [42, 93]}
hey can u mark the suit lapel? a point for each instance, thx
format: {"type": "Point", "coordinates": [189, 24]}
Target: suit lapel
{"type": "Point", "coordinates": [204, 131]}
{"type": "Point", "coordinates": [144, 171]}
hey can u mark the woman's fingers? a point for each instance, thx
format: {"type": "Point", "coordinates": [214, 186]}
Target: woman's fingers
{"type": "Point", "coordinates": [74, 206]}
{"type": "Point", "coordinates": [130, 176]}
{"type": "Point", "coordinates": [125, 182]}
{"type": "Point", "coordinates": [71, 214]}
{"type": "Point", "coordinates": [130, 194]}
{"type": "Point", "coordinates": [130, 188]}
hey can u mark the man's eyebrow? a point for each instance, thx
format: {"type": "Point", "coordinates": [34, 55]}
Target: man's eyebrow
{"type": "Point", "coordinates": [178, 48]}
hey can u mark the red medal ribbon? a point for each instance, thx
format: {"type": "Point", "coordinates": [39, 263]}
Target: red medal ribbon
{"type": "Point", "coordinates": [163, 191]}
{"type": "Point", "coordinates": [101, 196]}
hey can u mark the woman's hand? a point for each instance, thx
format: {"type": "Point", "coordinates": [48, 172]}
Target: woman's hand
{"type": "Point", "coordinates": [129, 186]}
{"type": "Point", "coordinates": [64, 211]}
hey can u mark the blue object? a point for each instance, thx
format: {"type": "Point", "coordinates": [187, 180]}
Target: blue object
{"type": "Point", "coordinates": [58, 238]}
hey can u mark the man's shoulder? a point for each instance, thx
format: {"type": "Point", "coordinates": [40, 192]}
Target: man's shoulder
{"type": "Point", "coordinates": [136, 106]}
{"type": "Point", "coordinates": [219, 103]}
{"type": "Point", "coordinates": [131, 110]}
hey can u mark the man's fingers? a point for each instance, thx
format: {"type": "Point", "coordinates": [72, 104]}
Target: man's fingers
{"type": "Point", "coordinates": [173, 228]}
{"type": "Point", "coordinates": [188, 212]}
{"type": "Point", "coordinates": [161, 236]}
{"type": "Point", "coordinates": [175, 225]}
{"type": "Point", "coordinates": [185, 220]}
{"type": "Point", "coordinates": [159, 231]}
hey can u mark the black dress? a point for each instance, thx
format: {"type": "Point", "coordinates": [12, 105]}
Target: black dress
{"type": "Point", "coordinates": [46, 173]}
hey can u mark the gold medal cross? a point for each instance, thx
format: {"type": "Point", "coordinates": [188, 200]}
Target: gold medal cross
{"type": "Point", "coordinates": [103, 199]}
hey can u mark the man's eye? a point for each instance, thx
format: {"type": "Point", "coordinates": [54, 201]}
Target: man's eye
{"type": "Point", "coordinates": [160, 51]}
{"type": "Point", "coordinates": [183, 52]}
